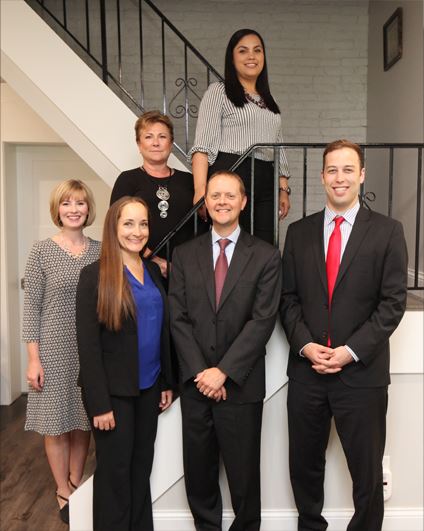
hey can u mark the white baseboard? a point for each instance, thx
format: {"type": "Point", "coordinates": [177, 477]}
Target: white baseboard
{"type": "Point", "coordinates": [402, 519]}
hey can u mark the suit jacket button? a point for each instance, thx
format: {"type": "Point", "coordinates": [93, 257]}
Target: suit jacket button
{"type": "Point", "coordinates": [324, 335]}
{"type": "Point", "coordinates": [213, 321]}
{"type": "Point", "coordinates": [212, 347]}
{"type": "Point", "coordinates": [326, 306]}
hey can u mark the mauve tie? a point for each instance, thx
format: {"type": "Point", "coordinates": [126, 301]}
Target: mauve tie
{"type": "Point", "coordinates": [221, 268]}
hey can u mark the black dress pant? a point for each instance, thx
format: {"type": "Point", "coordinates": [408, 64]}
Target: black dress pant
{"type": "Point", "coordinates": [212, 429]}
{"type": "Point", "coordinates": [360, 419]}
{"type": "Point", "coordinates": [263, 211]}
{"type": "Point", "coordinates": [124, 458]}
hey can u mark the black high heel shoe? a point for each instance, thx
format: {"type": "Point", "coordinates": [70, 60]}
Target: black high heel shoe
{"type": "Point", "coordinates": [64, 510]}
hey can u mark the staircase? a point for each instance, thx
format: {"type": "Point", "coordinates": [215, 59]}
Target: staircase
{"type": "Point", "coordinates": [137, 51]}
{"type": "Point", "coordinates": [98, 126]}
{"type": "Point", "coordinates": [91, 117]}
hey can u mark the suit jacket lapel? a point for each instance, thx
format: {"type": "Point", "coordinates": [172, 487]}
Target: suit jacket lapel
{"type": "Point", "coordinates": [205, 259]}
{"type": "Point", "coordinates": [241, 256]}
{"type": "Point", "coordinates": [318, 246]}
{"type": "Point", "coordinates": [359, 231]}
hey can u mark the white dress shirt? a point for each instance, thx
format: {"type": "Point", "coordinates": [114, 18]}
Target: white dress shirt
{"type": "Point", "coordinates": [229, 250]}
{"type": "Point", "coordinates": [345, 229]}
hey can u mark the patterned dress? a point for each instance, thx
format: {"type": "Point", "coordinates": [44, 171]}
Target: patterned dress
{"type": "Point", "coordinates": [51, 279]}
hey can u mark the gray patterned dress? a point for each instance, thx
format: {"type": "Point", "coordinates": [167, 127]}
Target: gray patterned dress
{"type": "Point", "coordinates": [51, 279]}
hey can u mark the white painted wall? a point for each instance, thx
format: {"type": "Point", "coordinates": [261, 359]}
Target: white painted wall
{"type": "Point", "coordinates": [34, 159]}
{"type": "Point", "coordinates": [66, 93]}
{"type": "Point", "coordinates": [19, 125]}
{"type": "Point", "coordinates": [317, 61]}
{"type": "Point", "coordinates": [403, 512]}
{"type": "Point", "coordinates": [395, 112]}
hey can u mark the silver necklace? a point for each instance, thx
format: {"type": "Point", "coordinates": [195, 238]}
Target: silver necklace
{"type": "Point", "coordinates": [256, 99]}
{"type": "Point", "coordinates": [162, 193]}
{"type": "Point", "coordinates": [68, 250]}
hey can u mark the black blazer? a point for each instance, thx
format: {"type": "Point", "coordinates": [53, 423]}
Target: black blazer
{"type": "Point", "coordinates": [368, 302]}
{"type": "Point", "coordinates": [109, 360]}
{"type": "Point", "coordinates": [232, 337]}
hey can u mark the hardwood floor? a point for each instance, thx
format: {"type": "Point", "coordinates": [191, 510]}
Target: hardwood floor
{"type": "Point", "coordinates": [27, 500]}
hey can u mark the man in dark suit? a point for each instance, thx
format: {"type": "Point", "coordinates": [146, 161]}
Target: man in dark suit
{"type": "Point", "coordinates": [344, 293]}
{"type": "Point", "coordinates": [220, 328]}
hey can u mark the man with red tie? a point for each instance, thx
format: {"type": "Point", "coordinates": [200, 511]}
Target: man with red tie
{"type": "Point", "coordinates": [344, 293]}
{"type": "Point", "coordinates": [224, 296]}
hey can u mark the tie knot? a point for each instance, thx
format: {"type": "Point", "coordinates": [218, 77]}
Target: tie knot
{"type": "Point", "coordinates": [223, 243]}
{"type": "Point", "coordinates": [338, 220]}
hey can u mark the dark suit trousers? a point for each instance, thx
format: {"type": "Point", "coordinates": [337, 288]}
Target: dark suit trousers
{"type": "Point", "coordinates": [234, 431]}
{"type": "Point", "coordinates": [360, 419]}
{"type": "Point", "coordinates": [124, 458]}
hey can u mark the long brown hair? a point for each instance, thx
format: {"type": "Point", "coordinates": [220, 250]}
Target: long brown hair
{"type": "Point", "coordinates": [115, 300]}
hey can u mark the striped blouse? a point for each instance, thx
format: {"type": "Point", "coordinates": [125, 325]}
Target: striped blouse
{"type": "Point", "coordinates": [221, 126]}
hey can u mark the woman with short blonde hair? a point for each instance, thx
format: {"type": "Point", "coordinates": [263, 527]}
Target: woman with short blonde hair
{"type": "Point", "coordinates": [55, 408]}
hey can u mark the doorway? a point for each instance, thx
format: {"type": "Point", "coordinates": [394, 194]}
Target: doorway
{"type": "Point", "coordinates": [30, 177]}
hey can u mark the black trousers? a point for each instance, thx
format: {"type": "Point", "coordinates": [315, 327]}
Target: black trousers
{"type": "Point", "coordinates": [212, 429]}
{"type": "Point", "coordinates": [124, 458]}
{"type": "Point", "coordinates": [360, 419]}
{"type": "Point", "coordinates": [263, 212]}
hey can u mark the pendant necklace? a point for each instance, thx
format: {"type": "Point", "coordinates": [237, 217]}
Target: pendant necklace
{"type": "Point", "coordinates": [256, 99]}
{"type": "Point", "coordinates": [162, 192]}
{"type": "Point", "coordinates": [69, 251]}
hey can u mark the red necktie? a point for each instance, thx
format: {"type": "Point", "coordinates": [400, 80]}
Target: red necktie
{"type": "Point", "coordinates": [221, 268]}
{"type": "Point", "coordinates": [333, 260]}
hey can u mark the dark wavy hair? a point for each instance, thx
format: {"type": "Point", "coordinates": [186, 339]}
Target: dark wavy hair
{"type": "Point", "coordinates": [233, 88]}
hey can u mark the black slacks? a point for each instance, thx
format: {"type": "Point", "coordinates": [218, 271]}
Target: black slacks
{"type": "Point", "coordinates": [360, 419]}
{"type": "Point", "coordinates": [263, 226]}
{"type": "Point", "coordinates": [212, 429]}
{"type": "Point", "coordinates": [124, 458]}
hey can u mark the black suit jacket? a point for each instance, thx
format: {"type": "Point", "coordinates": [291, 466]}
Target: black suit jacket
{"type": "Point", "coordinates": [109, 360]}
{"type": "Point", "coordinates": [232, 337]}
{"type": "Point", "coordinates": [368, 302]}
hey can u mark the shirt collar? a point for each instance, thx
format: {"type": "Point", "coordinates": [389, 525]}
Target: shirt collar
{"type": "Point", "coordinates": [349, 215]}
{"type": "Point", "coordinates": [233, 237]}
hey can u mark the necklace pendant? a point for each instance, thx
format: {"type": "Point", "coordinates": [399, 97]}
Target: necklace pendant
{"type": "Point", "coordinates": [163, 207]}
{"type": "Point", "coordinates": [162, 193]}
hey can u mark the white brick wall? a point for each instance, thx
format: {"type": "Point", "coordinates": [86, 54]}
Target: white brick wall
{"type": "Point", "coordinates": [317, 62]}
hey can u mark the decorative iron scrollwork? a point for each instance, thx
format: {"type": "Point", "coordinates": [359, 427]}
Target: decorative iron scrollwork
{"type": "Point", "coordinates": [179, 110]}
{"type": "Point", "coordinates": [367, 197]}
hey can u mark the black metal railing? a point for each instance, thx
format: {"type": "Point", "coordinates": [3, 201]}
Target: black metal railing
{"type": "Point", "coordinates": [138, 53]}
{"type": "Point", "coordinates": [306, 167]}
{"type": "Point", "coordinates": [152, 65]}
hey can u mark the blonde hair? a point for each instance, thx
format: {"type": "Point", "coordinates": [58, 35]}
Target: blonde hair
{"type": "Point", "coordinates": [67, 189]}
{"type": "Point", "coordinates": [151, 118]}
{"type": "Point", "coordinates": [226, 173]}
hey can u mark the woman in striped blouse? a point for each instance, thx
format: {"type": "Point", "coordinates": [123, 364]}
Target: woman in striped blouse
{"type": "Point", "coordinates": [233, 116]}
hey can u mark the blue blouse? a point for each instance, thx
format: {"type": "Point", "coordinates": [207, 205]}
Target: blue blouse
{"type": "Point", "coordinates": [149, 311]}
